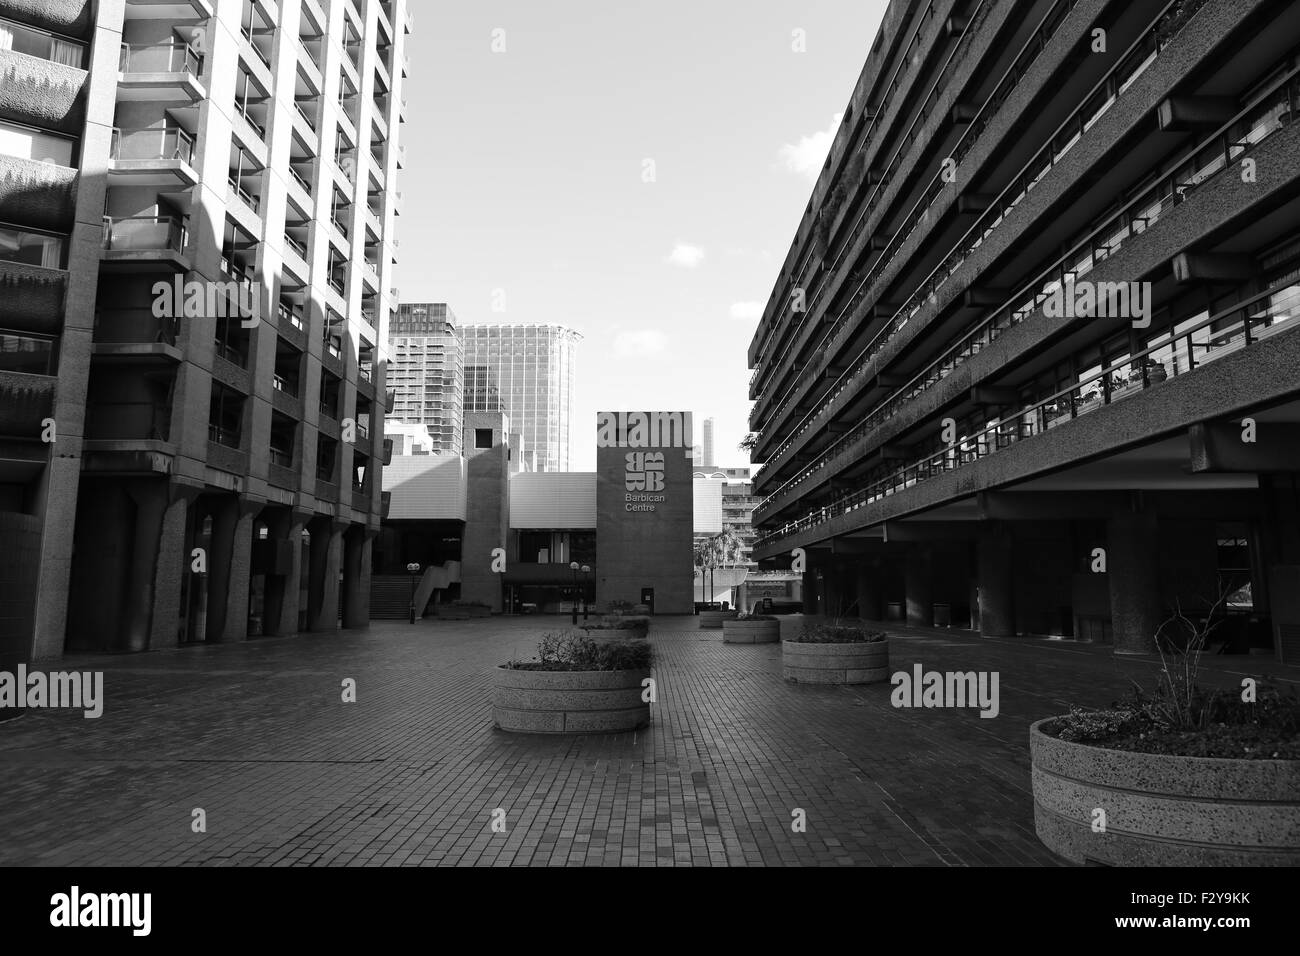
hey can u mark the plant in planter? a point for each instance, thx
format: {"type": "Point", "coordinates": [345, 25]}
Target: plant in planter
{"type": "Point", "coordinates": [751, 629]}
{"type": "Point", "coordinates": [625, 626]}
{"type": "Point", "coordinates": [836, 653]}
{"type": "Point", "coordinates": [620, 607]}
{"type": "Point", "coordinates": [574, 685]}
{"type": "Point", "coordinates": [462, 610]}
{"type": "Point", "coordinates": [1184, 776]}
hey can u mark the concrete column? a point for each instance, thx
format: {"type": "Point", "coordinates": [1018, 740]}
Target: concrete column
{"type": "Point", "coordinates": [994, 574]}
{"type": "Point", "coordinates": [811, 604]}
{"type": "Point", "coordinates": [1133, 572]}
{"type": "Point", "coordinates": [918, 573]}
{"type": "Point", "coordinates": [150, 500]}
{"type": "Point", "coordinates": [280, 597]}
{"type": "Point", "coordinates": [358, 545]}
{"type": "Point", "coordinates": [871, 600]}
{"type": "Point", "coordinates": [229, 567]}
{"type": "Point", "coordinates": [225, 519]}
{"type": "Point", "coordinates": [172, 566]}
{"type": "Point", "coordinates": [326, 558]}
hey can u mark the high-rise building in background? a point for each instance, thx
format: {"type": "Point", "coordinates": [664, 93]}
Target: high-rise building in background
{"type": "Point", "coordinates": [427, 373]}
{"type": "Point", "coordinates": [527, 372]}
{"type": "Point", "coordinates": [707, 446]}
{"type": "Point", "coordinates": [197, 203]}
{"type": "Point", "coordinates": [1050, 292]}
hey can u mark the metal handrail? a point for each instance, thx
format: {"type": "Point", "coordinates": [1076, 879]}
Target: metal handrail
{"type": "Point", "coordinates": [1112, 382]}
{"type": "Point", "coordinates": [996, 212]}
{"type": "Point", "coordinates": [1121, 226]}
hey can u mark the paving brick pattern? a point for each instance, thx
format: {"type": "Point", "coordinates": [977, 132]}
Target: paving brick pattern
{"type": "Point", "coordinates": [258, 737]}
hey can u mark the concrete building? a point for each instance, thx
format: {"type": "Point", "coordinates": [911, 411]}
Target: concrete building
{"type": "Point", "coordinates": [485, 530]}
{"type": "Point", "coordinates": [526, 372]}
{"type": "Point", "coordinates": [196, 216]}
{"type": "Point", "coordinates": [427, 373]}
{"type": "Point", "coordinates": [1030, 366]}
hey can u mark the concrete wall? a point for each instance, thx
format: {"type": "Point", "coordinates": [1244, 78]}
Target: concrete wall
{"type": "Point", "coordinates": [487, 524]}
{"type": "Point", "coordinates": [645, 549]}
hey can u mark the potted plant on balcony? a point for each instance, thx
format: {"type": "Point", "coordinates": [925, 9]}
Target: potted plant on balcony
{"type": "Point", "coordinates": [1186, 776]}
{"type": "Point", "coordinates": [575, 685]}
{"type": "Point", "coordinates": [837, 652]}
{"type": "Point", "coordinates": [751, 629]}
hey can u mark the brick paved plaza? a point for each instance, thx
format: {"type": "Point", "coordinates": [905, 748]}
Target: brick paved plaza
{"type": "Point", "coordinates": [257, 736]}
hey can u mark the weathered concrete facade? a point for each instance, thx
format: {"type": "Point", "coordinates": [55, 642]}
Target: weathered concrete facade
{"type": "Point", "coordinates": [941, 428]}
{"type": "Point", "coordinates": [214, 310]}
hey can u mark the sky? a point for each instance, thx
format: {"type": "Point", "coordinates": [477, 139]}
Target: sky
{"type": "Point", "coordinates": [634, 171]}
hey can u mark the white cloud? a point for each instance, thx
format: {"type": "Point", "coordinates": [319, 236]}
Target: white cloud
{"type": "Point", "coordinates": [686, 255]}
{"type": "Point", "coordinates": [809, 155]}
{"type": "Point", "coordinates": [747, 311]}
{"type": "Point", "coordinates": [640, 343]}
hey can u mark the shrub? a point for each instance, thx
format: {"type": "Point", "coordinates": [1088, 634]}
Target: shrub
{"type": "Point", "coordinates": [838, 633]}
{"type": "Point", "coordinates": [639, 626]}
{"type": "Point", "coordinates": [572, 651]}
{"type": "Point", "coordinates": [1182, 717]}
{"type": "Point", "coordinates": [755, 617]}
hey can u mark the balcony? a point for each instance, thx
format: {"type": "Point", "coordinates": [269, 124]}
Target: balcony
{"type": "Point", "coordinates": [152, 157]}
{"type": "Point", "coordinates": [147, 240]}
{"type": "Point", "coordinates": [32, 297]}
{"type": "Point", "coordinates": [1177, 354]}
{"type": "Point", "coordinates": [26, 400]}
{"type": "Point", "coordinates": [160, 72]}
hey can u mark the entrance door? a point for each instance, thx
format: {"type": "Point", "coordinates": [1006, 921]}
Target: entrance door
{"type": "Point", "coordinates": [648, 598]}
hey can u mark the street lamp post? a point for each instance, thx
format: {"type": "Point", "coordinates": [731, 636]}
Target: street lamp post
{"type": "Point", "coordinates": [586, 570]}
{"type": "Point", "coordinates": [573, 567]}
{"type": "Point", "coordinates": [412, 569]}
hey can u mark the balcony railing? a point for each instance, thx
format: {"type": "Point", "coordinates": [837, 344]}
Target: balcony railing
{"type": "Point", "coordinates": [311, 122]}
{"type": "Point", "coordinates": [299, 178]}
{"type": "Point", "coordinates": [1176, 353]}
{"type": "Point", "coordinates": [295, 245]}
{"type": "Point", "coordinates": [1135, 61]}
{"type": "Point", "coordinates": [281, 457]}
{"type": "Point", "coordinates": [145, 233]}
{"type": "Point", "coordinates": [1275, 111]}
{"type": "Point", "coordinates": [290, 316]}
{"type": "Point", "coordinates": [238, 189]}
{"type": "Point", "coordinates": [285, 385]}
{"type": "Point", "coordinates": [172, 57]}
{"type": "Point", "coordinates": [152, 144]}
{"type": "Point", "coordinates": [223, 436]}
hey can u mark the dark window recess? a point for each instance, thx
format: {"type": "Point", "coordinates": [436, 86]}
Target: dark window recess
{"type": "Point", "coordinates": [482, 438]}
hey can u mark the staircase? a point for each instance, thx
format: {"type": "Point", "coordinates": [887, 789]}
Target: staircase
{"type": "Point", "coordinates": [390, 597]}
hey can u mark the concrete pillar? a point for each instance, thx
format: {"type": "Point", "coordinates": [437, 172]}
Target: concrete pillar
{"type": "Point", "coordinates": [834, 602]}
{"type": "Point", "coordinates": [869, 583]}
{"type": "Point", "coordinates": [229, 567]}
{"type": "Point", "coordinates": [172, 566]}
{"type": "Point", "coordinates": [811, 604]}
{"type": "Point", "coordinates": [225, 519]}
{"type": "Point", "coordinates": [150, 500]}
{"type": "Point", "coordinates": [358, 547]}
{"type": "Point", "coordinates": [326, 558]}
{"type": "Point", "coordinates": [1133, 572]}
{"type": "Point", "coordinates": [280, 597]}
{"type": "Point", "coordinates": [918, 573]}
{"type": "Point", "coordinates": [995, 581]}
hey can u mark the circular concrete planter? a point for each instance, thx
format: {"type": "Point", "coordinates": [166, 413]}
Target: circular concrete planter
{"type": "Point", "coordinates": [751, 632]}
{"type": "Point", "coordinates": [1163, 810]}
{"type": "Point", "coordinates": [712, 620]}
{"type": "Point", "coordinates": [569, 702]}
{"type": "Point", "coordinates": [858, 663]}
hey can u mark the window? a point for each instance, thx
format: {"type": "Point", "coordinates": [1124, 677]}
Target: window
{"type": "Point", "coordinates": [482, 438]}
